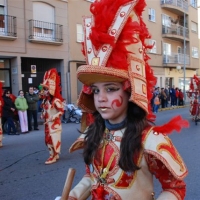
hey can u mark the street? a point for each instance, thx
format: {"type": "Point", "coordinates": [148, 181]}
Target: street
{"type": "Point", "coordinates": [24, 176]}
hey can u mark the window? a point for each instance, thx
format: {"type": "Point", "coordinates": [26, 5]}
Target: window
{"type": "Point", "coordinates": [195, 52]}
{"type": "Point", "coordinates": [43, 24]}
{"type": "Point", "coordinates": [166, 21]}
{"type": "Point", "coordinates": [2, 20]}
{"type": "Point", "coordinates": [91, 0]}
{"type": "Point", "coordinates": [152, 42]}
{"type": "Point", "coordinates": [79, 32]}
{"type": "Point", "coordinates": [179, 49]}
{"type": "Point", "coordinates": [152, 15]}
{"type": "Point", "coordinates": [166, 49]}
{"type": "Point", "coordinates": [194, 27]}
{"type": "Point", "coordinates": [193, 3]}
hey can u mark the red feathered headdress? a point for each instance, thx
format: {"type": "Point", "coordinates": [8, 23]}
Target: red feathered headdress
{"type": "Point", "coordinates": [51, 81]}
{"type": "Point", "coordinates": [115, 50]}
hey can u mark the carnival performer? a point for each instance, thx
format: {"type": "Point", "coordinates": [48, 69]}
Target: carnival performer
{"type": "Point", "coordinates": [1, 105]}
{"type": "Point", "coordinates": [52, 111]}
{"type": "Point", "coordinates": [194, 95]}
{"type": "Point", "coordinates": [121, 149]}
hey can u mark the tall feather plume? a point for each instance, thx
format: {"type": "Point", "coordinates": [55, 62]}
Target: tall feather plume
{"type": "Point", "coordinates": [103, 17]}
{"type": "Point", "coordinates": [104, 12]}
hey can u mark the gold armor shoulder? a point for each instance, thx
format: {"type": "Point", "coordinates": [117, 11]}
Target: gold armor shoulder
{"type": "Point", "coordinates": [161, 146]}
{"type": "Point", "coordinates": [78, 144]}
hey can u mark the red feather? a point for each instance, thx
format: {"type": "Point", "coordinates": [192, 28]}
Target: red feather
{"type": "Point", "coordinates": [175, 124]}
{"type": "Point", "coordinates": [104, 12]}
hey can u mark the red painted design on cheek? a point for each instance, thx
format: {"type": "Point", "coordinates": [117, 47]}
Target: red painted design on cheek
{"type": "Point", "coordinates": [117, 102]}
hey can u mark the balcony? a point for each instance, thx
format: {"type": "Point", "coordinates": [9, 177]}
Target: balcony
{"type": "Point", "coordinates": [175, 32]}
{"type": "Point", "coordinates": [45, 32]}
{"type": "Point", "coordinates": [176, 58]}
{"type": "Point", "coordinates": [176, 5]}
{"type": "Point", "coordinates": [8, 27]}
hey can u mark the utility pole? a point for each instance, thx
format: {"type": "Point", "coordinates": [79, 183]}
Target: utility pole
{"type": "Point", "coordinates": [184, 68]}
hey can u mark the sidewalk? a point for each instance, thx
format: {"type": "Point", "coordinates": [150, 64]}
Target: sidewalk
{"type": "Point", "coordinates": [187, 104]}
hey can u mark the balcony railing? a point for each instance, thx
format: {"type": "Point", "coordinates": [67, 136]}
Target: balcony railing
{"type": "Point", "coordinates": [178, 3]}
{"type": "Point", "coordinates": [8, 26]}
{"type": "Point", "coordinates": [175, 30]}
{"type": "Point", "coordinates": [45, 32]}
{"type": "Point", "coordinates": [176, 58]}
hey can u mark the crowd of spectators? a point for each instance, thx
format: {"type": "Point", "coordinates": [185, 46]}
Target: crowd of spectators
{"type": "Point", "coordinates": [166, 97]}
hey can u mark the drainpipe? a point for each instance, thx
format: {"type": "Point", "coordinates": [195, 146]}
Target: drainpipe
{"type": "Point", "coordinates": [69, 80]}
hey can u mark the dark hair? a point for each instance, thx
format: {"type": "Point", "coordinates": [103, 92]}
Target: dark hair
{"type": "Point", "coordinates": [5, 92]}
{"type": "Point", "coordinates": [131, 143]}
{"type": "Point", "coordinates": [20, 91]}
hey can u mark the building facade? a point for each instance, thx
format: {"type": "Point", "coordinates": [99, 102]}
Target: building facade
{"type": "Point", "coordinates": [173, 25]}
{"type": "Point", "coordinates": [38, 35]}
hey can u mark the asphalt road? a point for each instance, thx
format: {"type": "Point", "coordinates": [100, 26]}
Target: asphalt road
{"type": "Point", "coordinates": [24, 176]}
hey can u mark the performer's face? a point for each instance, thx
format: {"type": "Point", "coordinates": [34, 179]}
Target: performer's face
{"type": "Point", "coordinates": [111, 101]}
{"type": "Point", "coordinates": [46, 91]}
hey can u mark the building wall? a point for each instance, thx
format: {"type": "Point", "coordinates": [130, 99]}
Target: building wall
{"type": "Point", "coordinates": [69, 14]}
{"type": "Point", "coordinates": [165, 71]}
{"type": "Point", "coordinates": [22, 47]}
{"type": "Point", "coordinates": [76, 14]}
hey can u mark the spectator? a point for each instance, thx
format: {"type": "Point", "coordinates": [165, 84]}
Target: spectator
{"type": "Point", "coordinates": [22, 106]}
{"type": "Point", "coordinates": [163, 98]}
{"type": "Point", "coordinates": [176, 98]}
{"type": "Point", "coordinates": [156, 104]}
{"type": "Point", "coordinates": [166, 90]}
{"type": "Point", "coordinates": [64, 109]}
{"type": "Point", "coordinates": [35, 90]}
{"type": "Point", "coordinates": [8, 112]}
{"type": "Point", "coordinates": [32, 100]}
{"type": "Point", "coordinates": [181, 97]}
{"type": "Point", "coordinates": [172, 95]}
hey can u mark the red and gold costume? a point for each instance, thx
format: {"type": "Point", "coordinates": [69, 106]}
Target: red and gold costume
{"type": "Point", "coordinates": [194, 95]}
{"type": "Point", "coordinates": [52, 111]}
{"type": "Point", "coordinates": [158, 157]}
{"type": "Point", "coordinates": [1, 105]}
{"type": "Point", "coordinates": [115, 49]}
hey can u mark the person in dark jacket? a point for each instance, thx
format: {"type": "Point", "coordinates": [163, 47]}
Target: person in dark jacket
{"type": "Point", "coordinates": [173, 96]}
{"type": "Point", "coordinates": [8, 112]}
{"type": "Point", "coordinates": [32, 100]}
{"type": "Point", "coordinates": [180, 97]}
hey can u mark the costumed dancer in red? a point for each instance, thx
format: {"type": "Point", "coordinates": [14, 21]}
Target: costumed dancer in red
{"type": "Point", "coordinates": [52, 111]}
{"type": "Point", "coordinates": [194, 95]}
{"type": "Point", "coordinates": [1, 105]}
{"type": "Point", "coordinates": [122, 150]}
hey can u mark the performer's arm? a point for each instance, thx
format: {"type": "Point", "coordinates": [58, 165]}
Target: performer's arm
{"type": "Point", "coordinates": [173, 188]}
{"type": "Point", "coordinates": [59, 107]}
{"type": "Point", "coordinates": [82, 190]}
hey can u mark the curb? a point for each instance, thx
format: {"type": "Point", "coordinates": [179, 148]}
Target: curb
{"type": "Point", "coordinates": [172, 108]}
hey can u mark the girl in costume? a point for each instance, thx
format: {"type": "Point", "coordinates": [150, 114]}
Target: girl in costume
{"type": "Point", "coordinates": [122, 150]}
{"type": "Point", "coordinates": [52, 111]}
{"type": "Point", "coordinates": [194, 95]}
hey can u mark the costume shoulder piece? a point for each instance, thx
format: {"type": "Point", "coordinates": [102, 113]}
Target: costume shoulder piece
{"type": "Point", "coordinates": [160, 146]}
{"type": "Point", "coordinates": [78, 144]}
